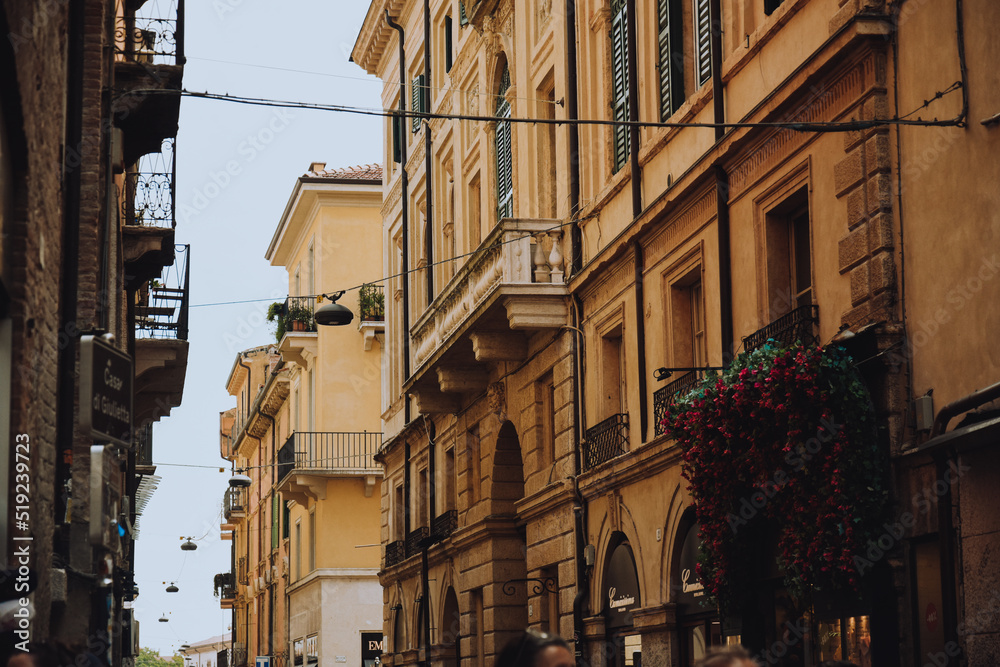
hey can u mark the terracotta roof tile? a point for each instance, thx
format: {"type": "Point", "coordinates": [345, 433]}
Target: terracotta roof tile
{"type": "Point", "coordinates": [363, 172]}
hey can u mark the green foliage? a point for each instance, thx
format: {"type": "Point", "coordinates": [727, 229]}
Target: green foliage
{"type": "Point", "coordinates": [371, 301]}
{"type": "Point", "coordinates": [149, 658]}
{"type": "Point", "coordinates": [276, 313]}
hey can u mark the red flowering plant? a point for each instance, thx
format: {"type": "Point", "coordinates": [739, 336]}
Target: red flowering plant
{"type": "Point", "coordinates": [783, 436]}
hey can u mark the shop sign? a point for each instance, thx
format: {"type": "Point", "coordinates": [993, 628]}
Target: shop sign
{"type": "Point", "coordinates": [371, 648]}
{"type": "Point", "coordinates": [690, 591]}
{"type": "Point", "coordinates": [621, 588]}
{"type": "Point", "coordinates": [105, 391]}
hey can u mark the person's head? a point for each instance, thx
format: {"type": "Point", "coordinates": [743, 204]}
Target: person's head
{"type": "Point", "coordinates": [536, 649]}
{"type": "Point", "coordinates": [727, 656]}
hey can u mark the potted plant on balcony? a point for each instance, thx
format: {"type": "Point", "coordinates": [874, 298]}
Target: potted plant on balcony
{"type": "Point", "coordinates": [221, 582]}
{"type": "Point", "coordinates": [299, 317]}
{"type": "Point", "coordinates": [371, 303]}
{"type": "Point", "coordinates": [276, 312]}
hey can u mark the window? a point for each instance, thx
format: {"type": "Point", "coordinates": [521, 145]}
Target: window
{"type": "Point", "coordinates": [475, 208]}
{"type": "Point", "coordinates": [419, 94]}
{"type": "Point", "coordinates": [687, 320]}
{"type": "Point", "coordinates": [505, 182]}
{"type": "Point", "coordinates": [275, 515]}
{"type": "Point", "coordinates": [479, 645]}
{"type": "Point", "coordinates": [312, 540]}
{"type": "Point", "coordinates": [298, 550]}
{"type": "Point", "coordinates": [550, 600]}
{"type": "Point", "coordinates": [547, 149]}
{"type": "Point", "coordinates": [311, 263]}
{"type": "Point", "coordinates": [422, 496]}
{"type": "Point", "coordinates": [285, 518]}
{"type": "Point", "coordinates": [475, 463]}
{"type": "Point", "coordinates": [449, 479]}
{"type": "Point", "coordinates": [398, 520]}
{"type": "Point", "coordinates": [619, 80]}
{"type": "Point", "coordinates": [448, 51]}
{"type": "Point", "coordinates": [702, 41]}
{"type": "Point", "coordinates": [612, 378]}
{"type": "Point", "coordinates": [770, 6]}
{"type": "Point", "coordinates": [789, 260]}
{"type": "Point", "coordinates": [670, 61]}
{"type": "Point", "coordinates": [545, 402]}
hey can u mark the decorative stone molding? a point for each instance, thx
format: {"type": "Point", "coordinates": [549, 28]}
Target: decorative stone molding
{"type": "Point", "coordinates": [496, 397]}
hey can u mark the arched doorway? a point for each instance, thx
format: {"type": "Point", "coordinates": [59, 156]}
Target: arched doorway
{"type": "Point", "coordinates": [698, 627]}
{"type": "Point", "coordinates": [451, 630]}
{"type": "Point", "coordinates": [508, 471]}
{"type": "Point", "coordinates": [510, 602]}
{"type": "Point", "coordinates": [620, 594]}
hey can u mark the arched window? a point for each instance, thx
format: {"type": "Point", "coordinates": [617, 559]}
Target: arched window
{"type": "Point", "coordinates": [505, 178]}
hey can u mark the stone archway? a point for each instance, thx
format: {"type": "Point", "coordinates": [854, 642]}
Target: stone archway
{"type": "Point", "coordinates": [508, 471]}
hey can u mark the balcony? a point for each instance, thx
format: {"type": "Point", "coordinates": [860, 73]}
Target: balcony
{"type": "Point", "coordinates": [444, 525]}
{"type": "Point", "coordinates": [511, 287]}
{"type": "Point", "coordinates": [415, 540]}
{"type": "Point", "coordinates": [307, 460]}
{"type": "Point", "coordinates": [371, 304]}
{"type": "Point", "coordinates": [664, 396]}
{"type": "Point", "coordinates": [297, 338]}
{"type": "Point", "coordinates": [144, 450]}
{"type": "Point", "coordinates": [797, 326]}
{"type": "Point", "coordinates": [605, 441]}
{"type": "Point", "coordinates": [148, 215]}
{"type": "Point", "coordinates": [225, 589]}
{"type": "Point", "coordinates": [395, 552]}
{"type": "Point", "coordinates": [149, 59]}
{"type": "Point", "coordinates": [234, 503]}
{"type": "Point", "coordinates": [161, 347]}
{"type": "Point", "coordinates": [238, 656]}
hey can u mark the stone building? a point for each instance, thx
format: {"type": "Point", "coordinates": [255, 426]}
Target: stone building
{"type": "Point", "coordinates": [548, 271]}
{"type": "Point", "coordinates": [87, 249]}
{"type": "Point", "coordinates": [303, 584]}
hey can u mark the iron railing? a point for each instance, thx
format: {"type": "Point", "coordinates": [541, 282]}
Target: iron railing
{"type": "Point", "coordinates": [797, 326]}
{"type": "Point", "coordinates": [372, 302]}
{"type": "Point", "coordinates": [605, 441]}
{"type": "Point", "coordinates": [414, 540]}
{"type": "Point", "coordinates": [329, 451]}
{"type": "Point", "coordinates": [149, 190]}
{"type": "Point", "coordinates": [299, 313]}
{"type": "Point", "coordinates": [239, 657]}
{"type": "Point", "coordinates": [234, 502]}
{"type": "Point", "coordinates": [395, 552]}
{"type": "Point", "coordinates": [162, 310]}
{"type": "Point", "coordinates": [444, 524]}
{"type": "Point", "coordinates": [143, 445]}
{"type": "Point", "coordinates": [153, 34]}
{"type": "Point", "coordinates": [225, 585]}
{"type": "Point", "coordinates": [664, 396]}
{"type": "Point", "coordinates": [242, 571]}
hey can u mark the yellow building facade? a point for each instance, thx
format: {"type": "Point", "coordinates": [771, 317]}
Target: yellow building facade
{"type": "Point", "coordinates": [556, 286]}
{"type": "Point", "coordinates": [305, 430]}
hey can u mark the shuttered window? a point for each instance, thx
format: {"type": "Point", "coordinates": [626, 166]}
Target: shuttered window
{"type": "Point", "coordinates": [505, 179]}
{"type": "Point", "coordinates": [702, 41]}
{"type": "Point", "coordinates": [419, 95]}
{"type": "Point", "coordinates": [670, 57]}
{"type": "Point", "coordinates": [463, 18]}
{"type": "Point", "coordinates": [619, 82]}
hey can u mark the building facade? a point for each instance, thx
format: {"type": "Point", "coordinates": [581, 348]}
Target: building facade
{"type": "Point", "coordinates": [304, 587]}
{"type": "Point", "coordinates": [555, 288]}
{"type": "Point", "coordinates": [93, 321]}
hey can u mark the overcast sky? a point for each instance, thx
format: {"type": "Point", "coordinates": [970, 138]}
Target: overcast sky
{"type": "Point", "coordinates": [236, 167]}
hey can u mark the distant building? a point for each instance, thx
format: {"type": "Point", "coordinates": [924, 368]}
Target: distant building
{"type": "Point", "coordinates": [304, 587]}
{"type": "Point", "coordinates": [205, 653]}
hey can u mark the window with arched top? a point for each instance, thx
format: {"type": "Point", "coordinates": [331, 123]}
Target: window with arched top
{"type": "Point", "coordinates": [505, 177]}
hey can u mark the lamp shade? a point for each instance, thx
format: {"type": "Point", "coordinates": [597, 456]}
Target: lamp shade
{"type": "Point", "coordinates": [188, 546]}
{"type": "Point", "coordinates": [333, 314]}
{"type": "Point", "coordinates": [239, 481]}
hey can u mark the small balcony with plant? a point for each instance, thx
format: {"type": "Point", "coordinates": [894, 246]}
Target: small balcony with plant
{"type": "Point", "coordinates": [225, 589]}
{"type": "Point", "coordinates": [295, 328]}
{"type": "Point", "coordinates": [371, 307]}
{"type": "Point", "coordinates": [307, 460]}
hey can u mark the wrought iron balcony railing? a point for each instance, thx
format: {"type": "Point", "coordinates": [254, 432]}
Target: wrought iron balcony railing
{"type": "Point", "coordinates": [148, 199]}
{"type": "Point", "coordinates": [372, 302]}
{"type": "Point", "coordinates": [242, 571]}
{"type": "Point", "coordinates": [664, 396]}
{"type": "Point", "coordinates": [444, 524]}
{"type": "Point", "coordinates": [162, 310]}
{"type": "Point", "coordinates": [153, 34]}
{"type": "Point", "coordinates": [797, 326]}
{"type": "Point", "coordinates": [395, 552]}
{"type": "Point", "coordinates": [414, 540]}
{"type": "Point", "coordinates": [238, 657]}
{"type": "Point", "coordinates": [234, 504]}
{"type": "Point", "coordinates": [605, 441]}
{"type": "Point", "coordinates": [329, 451]}
{"type": "Point", "coordinates": [299, 313]}
{"type": "Point", "coordinates": [143, 445]}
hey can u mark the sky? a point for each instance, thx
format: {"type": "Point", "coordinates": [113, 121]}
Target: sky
{"type": "Point", "coordinates": [236, 167]}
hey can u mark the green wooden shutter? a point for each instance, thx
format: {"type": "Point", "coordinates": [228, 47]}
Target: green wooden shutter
{"type": "Point", "coordinates": [504, 157]}
{"type": "Point", "coordinates": [419, 95]}
{"type": "Point", "coordinates": [463, 18]}
{"type": "Point", "coordinates": [619, 83]}
{"type": "Point", "coordinates": [670, 57]}
{"type": "Point", "coordinates": [703, 40]}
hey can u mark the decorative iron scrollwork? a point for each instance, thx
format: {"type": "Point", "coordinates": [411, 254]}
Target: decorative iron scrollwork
{"type": "Point", "coordinates": [548, 584]}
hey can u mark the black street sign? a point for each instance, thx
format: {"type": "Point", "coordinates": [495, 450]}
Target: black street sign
{"type": "Point", "coordinates": [105, 391]}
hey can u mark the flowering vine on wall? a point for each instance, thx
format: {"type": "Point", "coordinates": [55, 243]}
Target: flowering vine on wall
{"type": "Point", "coordinates": [784, 436]}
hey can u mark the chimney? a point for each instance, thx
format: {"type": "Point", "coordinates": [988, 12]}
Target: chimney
{"type": "Point", "coordinates": [317, 167]}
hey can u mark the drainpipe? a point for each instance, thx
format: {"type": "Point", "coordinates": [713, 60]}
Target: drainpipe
{"type": "Point", "coordinates": [633, 108]}
{"type": "Point", "coordinates": [576, 242]}
{"type": "Point", "coordinates": [404, 203]}
{"type": "Point", "coordinates": [640, 335]}
{"type": "Point", "coordinates": [579, 506]}
{"type": "Point", "coordinates": [428, 158]}
{"type": "Point", "coordinates": [246, 399]}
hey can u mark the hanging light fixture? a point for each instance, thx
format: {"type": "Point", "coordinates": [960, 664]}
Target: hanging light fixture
{"type": "Point", "coordinates": [172, 588]}
{"type": "Point", "coordinates": [239, 480]}
{"type": "Point", "coordinates": [164, 619]}
{"type": "Point", "coordinates": [188, 545]}
{"type": "Point", "coordinates": [333, 314]}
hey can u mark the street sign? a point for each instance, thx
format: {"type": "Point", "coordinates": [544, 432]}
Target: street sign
{"type": "Point", "coordinates": [105, 391]}
{"type": "Point", "coordinates": [263, 661]}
